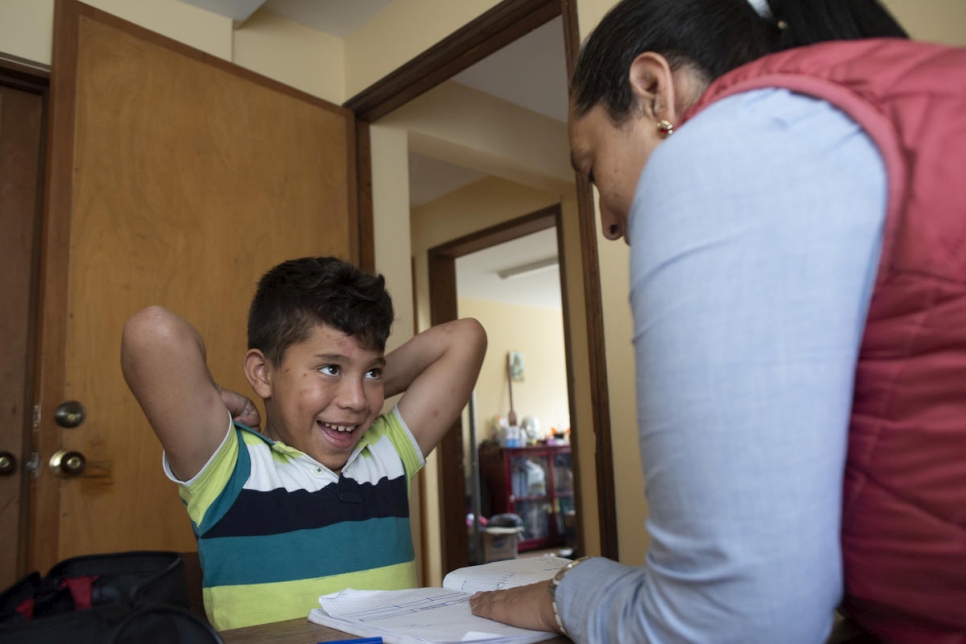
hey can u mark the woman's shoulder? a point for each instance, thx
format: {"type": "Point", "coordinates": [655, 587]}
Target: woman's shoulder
{"type": "Point", "coordinates": [764, 131]}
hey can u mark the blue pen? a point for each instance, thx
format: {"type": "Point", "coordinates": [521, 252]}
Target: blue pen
{"type": "Point", "coordinates": [364, 640]}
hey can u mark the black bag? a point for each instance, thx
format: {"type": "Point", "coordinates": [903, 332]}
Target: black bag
{"type": "Point", "coordinates": [119, 598]}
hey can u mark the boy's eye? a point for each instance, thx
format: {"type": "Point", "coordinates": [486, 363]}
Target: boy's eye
{"type": "Point", "coordinates": [374, 373]}
{"type": "Point", "coordinates": [330, 370]}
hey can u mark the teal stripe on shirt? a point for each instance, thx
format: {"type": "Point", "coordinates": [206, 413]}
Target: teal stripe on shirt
{"type": "Point", "coordinates": [233, 487]}
{"type": "Point", "coordinates": [291, 556]}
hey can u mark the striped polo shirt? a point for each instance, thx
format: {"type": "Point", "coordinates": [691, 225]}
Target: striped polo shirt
{"type": "Point", "coordinates": [276, 528]}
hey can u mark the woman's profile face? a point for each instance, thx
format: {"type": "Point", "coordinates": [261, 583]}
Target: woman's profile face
{"type": "Point", "coordinates": [611, 157]}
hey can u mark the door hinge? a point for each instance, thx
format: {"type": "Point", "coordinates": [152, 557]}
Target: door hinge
{"type": "Point", "coordinates": [36, 417]}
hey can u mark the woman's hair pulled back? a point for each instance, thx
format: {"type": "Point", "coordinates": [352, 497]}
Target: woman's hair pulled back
{"type": "Point", "coordinates": [710, 36]}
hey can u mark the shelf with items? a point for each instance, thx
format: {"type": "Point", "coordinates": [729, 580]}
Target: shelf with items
{"type": "Point", "coordinates": [535, 483]}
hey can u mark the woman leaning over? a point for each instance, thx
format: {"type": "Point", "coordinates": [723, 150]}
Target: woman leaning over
{"type": "Point", "coordinates": [790, 177]}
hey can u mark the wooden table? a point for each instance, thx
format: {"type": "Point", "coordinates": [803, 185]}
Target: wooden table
{"type": "Point", "coordinates": [300, 631]}
{"type": "Point", "coordinates": [292, 631]}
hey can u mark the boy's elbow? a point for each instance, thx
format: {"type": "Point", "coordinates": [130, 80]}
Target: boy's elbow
{"type": "Point", "coordinates": [152, 330]}
{"type": "Point", "coordinates": [473, 330]}
{"type": "Point", "coordinates": [146, 323]}
{"type": "Point", "coordinates": [148, 317]}
{"type": "Point", "coordinates": [474, 333]}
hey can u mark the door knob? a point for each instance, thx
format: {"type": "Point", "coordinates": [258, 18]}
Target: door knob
{"type": "Point", "coordinates": [8, 463]}
{"type": "Point", "coordinates": [67, 464]}
{"type": "Point", "coordinates": [70, 414]}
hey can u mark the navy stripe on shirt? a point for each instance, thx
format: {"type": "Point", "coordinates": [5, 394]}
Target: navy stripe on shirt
{"type": "Point", "coordinates": [259, 513]}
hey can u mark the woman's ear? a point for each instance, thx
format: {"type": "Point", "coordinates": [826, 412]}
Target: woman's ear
{"type": "Point", "coordinates": [258, 371]}
{"type": "Point", "coordinates": [652, 82]}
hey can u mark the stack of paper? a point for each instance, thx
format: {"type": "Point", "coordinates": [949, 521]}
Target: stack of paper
{"type": "Point", "coordinates": [437, 615]}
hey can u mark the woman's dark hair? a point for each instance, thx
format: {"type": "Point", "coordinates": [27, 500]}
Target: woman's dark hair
{"type": "Point", "coordinates": [711, 36]}
{"type": "Point", "coordinates": [299, 294]}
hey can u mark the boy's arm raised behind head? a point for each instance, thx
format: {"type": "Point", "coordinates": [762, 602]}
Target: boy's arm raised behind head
{"type": "Point", "coordinates": [437, 369]}
{"type": "Point", "coordinates": [163, 360]}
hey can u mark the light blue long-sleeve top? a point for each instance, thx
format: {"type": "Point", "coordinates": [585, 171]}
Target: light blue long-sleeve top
{"type": "Point", "coordinates": [755, 236]}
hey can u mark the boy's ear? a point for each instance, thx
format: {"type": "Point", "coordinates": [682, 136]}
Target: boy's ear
{"type": "Point", "coordinates": [652, 82]}
{"type": "Point", "coordinates": [258, 372]}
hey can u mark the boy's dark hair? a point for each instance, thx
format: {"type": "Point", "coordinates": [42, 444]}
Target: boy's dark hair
{"type": "Point", "coordinates": [299, 294]}
{"type": "Point", "coordinates": [711, 36]}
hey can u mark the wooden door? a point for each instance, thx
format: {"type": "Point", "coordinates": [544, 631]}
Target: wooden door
{"type": "Point", "coordinates": [21, 131]}
{"type": "Point", "coordinates": [175, 179]}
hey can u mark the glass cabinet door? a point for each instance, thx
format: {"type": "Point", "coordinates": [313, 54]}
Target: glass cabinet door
{"type": "Point", "coordinates": [530, 482]}
{"type": "Point", "coordinates": [563, 485]}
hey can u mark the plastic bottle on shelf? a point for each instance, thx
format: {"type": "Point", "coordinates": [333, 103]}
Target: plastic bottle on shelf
{"type": "Point", "coordinates": [513, 436]}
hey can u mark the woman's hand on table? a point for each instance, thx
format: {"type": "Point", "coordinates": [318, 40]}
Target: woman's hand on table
{"type": "Point", "coordinates": [523, 606]}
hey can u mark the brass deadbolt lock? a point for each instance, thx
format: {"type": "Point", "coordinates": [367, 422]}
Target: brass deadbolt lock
{"type": "Point", "coordinates": [70, 414]}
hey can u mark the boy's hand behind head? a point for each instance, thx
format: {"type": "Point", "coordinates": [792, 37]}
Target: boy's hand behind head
{"type": "Point", "coordinates": [241, 408]}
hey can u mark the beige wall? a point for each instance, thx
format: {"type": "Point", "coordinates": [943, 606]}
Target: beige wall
{"type": "Point", "coordinates": [941, 21]}
{"type": "Point", "coordinates": [304, 58]}
{"type": "Point", "coordinates": [275, 47]}
{"type": "Point", "coordinates": [464, 126]}
{"type": "Point", "coordinates": [537, 333]}
{"type": "Point", "coordinates": [400, 32]}
{"type": "Point", "coordinates": [26, 26]}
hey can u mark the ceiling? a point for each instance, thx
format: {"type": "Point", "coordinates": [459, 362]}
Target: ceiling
{"type": "Point", "coordinates": [477, 274]}
{"type": "Point", "coordinates": [529, 72]}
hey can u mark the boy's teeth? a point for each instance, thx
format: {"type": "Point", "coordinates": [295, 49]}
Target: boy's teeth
{"type": "Point", "coordinates": [340, 428]}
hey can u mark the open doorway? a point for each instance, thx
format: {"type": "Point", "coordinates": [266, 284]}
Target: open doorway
{"type": "Point", "coordinates": [505, 23]}
{"type": "Point", "coordinates": [491, 275]}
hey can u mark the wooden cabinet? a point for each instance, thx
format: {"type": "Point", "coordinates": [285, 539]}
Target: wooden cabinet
{"type": "Point", "coordinates": [536, 483]}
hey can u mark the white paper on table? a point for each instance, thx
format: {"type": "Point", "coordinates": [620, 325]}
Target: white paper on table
{"type": "Point", "coordinates": [504, 574]}
{"type": "Point", "coordinates": [415, 616]}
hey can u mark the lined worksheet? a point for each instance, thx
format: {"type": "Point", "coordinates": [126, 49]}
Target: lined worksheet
{"type": "Point", "coordinates": [437, 615]}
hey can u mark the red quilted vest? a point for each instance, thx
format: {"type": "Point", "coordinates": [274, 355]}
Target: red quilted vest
{"type": "Point", "coordinates": [904, 507]}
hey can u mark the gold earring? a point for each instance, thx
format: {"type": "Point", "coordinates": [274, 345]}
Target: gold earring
{"type": "Point", "coordinates": [666, 128]}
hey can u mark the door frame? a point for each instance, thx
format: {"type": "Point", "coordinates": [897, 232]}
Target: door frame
{"type": "Point", "coordinates": [443, 299]}
{"type": "Point", "coordinates": [29, 77]}
{"type": "Point", "coordinates": [494, 29]}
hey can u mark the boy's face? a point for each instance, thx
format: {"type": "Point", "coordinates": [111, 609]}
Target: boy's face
{"type": "Point", "coordinates": [325, 395]}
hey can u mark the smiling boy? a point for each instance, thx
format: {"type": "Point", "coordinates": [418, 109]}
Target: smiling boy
{"type": "Point", "coordinates": [319, 501]}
